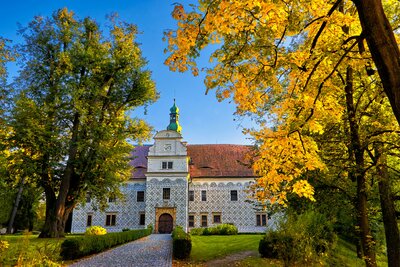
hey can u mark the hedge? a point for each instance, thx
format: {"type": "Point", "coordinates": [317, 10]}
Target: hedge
{"type": "Point", "coordinates": [221, 229]}
{"type": "Point", "coordinates": [181, 243]}
{"type": "Point", "coordinates": [77, 247]}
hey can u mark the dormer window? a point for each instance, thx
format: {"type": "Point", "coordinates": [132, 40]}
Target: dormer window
{"type": "Point", "coordinates": [205, 167]}
{"type": "Point", "coordinates": [167, 165]}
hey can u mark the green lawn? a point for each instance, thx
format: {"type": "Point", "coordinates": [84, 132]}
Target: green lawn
{"type": "Point", "coordinates": [29, 250]}
{"type": "Point", "coordinates": [205, 248]}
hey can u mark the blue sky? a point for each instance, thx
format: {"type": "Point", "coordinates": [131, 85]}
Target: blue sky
{"type": "Point", "coordinates": [204, 120]}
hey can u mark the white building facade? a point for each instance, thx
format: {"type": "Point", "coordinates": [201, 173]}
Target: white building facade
{"type": "Point", "coordinates": [179, 184]}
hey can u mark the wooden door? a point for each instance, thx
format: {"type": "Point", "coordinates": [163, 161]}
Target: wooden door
{"type": "Point", "coordinates": [165, 224]}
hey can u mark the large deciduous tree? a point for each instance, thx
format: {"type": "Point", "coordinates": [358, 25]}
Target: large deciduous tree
{"type": "Point", "coordinates": [6, 192]}
{"type": "Point", "coordinates": [72, 132]}
{"type": "Point", "coordinates": [285, 64]}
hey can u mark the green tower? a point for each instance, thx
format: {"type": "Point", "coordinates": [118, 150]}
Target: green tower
{"type": "Point", "coordinates": [174, 119]}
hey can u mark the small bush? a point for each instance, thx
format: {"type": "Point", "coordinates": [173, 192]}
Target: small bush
{"type": "Point", "coordinates": [74, 248]}
{"type": "Point", "coordinates": [279, 245]}
{"type": "Point", "coordinates": [196, 231]}
{"type": "Point", "coordinates": [267, 245]}
{"type": "Point", "coordinates": [222, 229]}
{"type": "Point", "coordinates": [125, 229]}
{"type": "Point", "coordinates": [95, 230]}
{"type": "Point", "coordinates": [3, 245]}
{"type": "Point", "coordinates": [227, 229]}
{"type": "Point", "coordinates": [181, 243]}
{"type": "Point", "coordinates": [304, 239]}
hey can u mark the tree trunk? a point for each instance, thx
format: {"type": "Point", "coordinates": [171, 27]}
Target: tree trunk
{"type": "Point", "coordinates": [384, 48]}
{"type": "Point", "coordinates": [57, 211]}
{"type": "Point", "coordinates": [356, 148]}
{"type": "Point", "coordinates": [49, 228]}
{"type": "Point", "coordinates": [15, 207]}
{"type": "Point", "coordinates": [360, 253]}
{"type": "Point", "coordinates": [388, 209]}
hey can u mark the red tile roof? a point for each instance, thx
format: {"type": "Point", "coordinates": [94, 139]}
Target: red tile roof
{"type": "Point", "coordinates": [139, 161]}
{"type": "Point", "coordinates": [205, 161]}
{"type": "Point", "coordinates": [218, 161]}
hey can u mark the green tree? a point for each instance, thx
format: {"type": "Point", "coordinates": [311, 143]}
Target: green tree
{"type": "Point", "coordinates": [6, 193]}
{"type": "Point", "coordinates": [71, 116]}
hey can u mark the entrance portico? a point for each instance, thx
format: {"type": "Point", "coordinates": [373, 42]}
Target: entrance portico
{"type": "Point", "coordinates": [165, 220]}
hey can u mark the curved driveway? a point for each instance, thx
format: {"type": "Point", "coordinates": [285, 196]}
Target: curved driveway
{"type": "Point", "coordinates": [152, 251]}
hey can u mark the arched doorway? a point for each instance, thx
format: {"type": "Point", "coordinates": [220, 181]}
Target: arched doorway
{"type": "Point", "coordinates": [165, 223]}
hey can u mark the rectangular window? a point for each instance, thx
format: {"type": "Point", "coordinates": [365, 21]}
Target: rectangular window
{"type": "Point", "coordinates": [203, 195]}
{"type": "Point", "coordinates": [167, 165]}
{"type": "Point", "coordinates": [112, 199]}
{"type": "Point", "coordinates": [140, 196]}
{"type": "Point", "coordinates": [234, 195]}
{"type": "Point", "coordinates": [191, 195]}
{"type": "Point", "coordinates": [191, 220]}
{"type": "Point", "coordinates": [264, 219]}
{"type": "Point", "coordinates": [142, 219]}
{"type": "Point", "coordinates": [111, 219]}
{"type": "Point", "coordinates": [261, 219]}
{"type": "Point", "coordinates": [166, 193]}
{"type": "Point", "coordinates": [89, 220]}
{"type": "Point", "coordinates": [217, 218]}
{"type": "Point", "coordinates": [88, 198]}
{"type": "Point", "coordinates": [203, 220]}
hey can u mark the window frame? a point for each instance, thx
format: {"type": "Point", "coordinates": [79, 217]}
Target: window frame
{"type": "Point", "coordinates": [111, 219]}
{"type": "Point", "coordinates": [204, 223]}
{"type": "Point", "coordinates": [203, 195]}
{"type": "Point", "coordinates": [220, 218]}
{"type": "Point", "coordinates": [191, 195]}
{"type": "Point", "coordinates": [89, 220]}
{"type": "Point", "coordinates": [141, 199]}
{"type": "Point", "coordinates": [142, 218]}
{"type": "Point", "coordinates": [166, 193]}
{"type": "Point", "coordinates": [167, 165]}
{"type": "Point", "coordinates": [191, 220]}
{"type": "Point", "coordinates": [261, 219]}
{"type": "Point", "coordinates": [234, 197]}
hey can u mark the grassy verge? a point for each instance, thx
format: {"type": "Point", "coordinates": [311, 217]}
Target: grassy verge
{"type": "Point", "coordinates": [29, 250]}
{"type": "Point", "coordinates": [205, 248]}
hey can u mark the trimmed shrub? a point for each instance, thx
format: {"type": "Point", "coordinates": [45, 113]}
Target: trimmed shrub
{"type": "Point", "coordinates": [181, 243]}
{"type": "Point", "coordinates": [221, 229]}
{"type": "Point", "coordinates": [77, 247]}
{"type": "Point", "coordinates": [150, 226]}
{"type": "Point", "coordinates": [95, 230]}
{"type": "Point", "coordinates": [227, 229]}
{"type": "Point", "coordinates": [196, 231]}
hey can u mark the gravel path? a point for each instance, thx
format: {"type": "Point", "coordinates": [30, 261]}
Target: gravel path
{"type": "Point", "coordinates": [152, 251]}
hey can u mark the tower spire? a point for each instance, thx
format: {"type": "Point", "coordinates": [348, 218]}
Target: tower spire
{"type": "Point", "coordinates": [174, 119]}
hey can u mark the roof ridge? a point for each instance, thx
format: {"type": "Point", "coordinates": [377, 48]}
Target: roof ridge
{"type": "Point", "coordinates": [217, 145]}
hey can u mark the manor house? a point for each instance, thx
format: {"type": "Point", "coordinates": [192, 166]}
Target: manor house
{"type": "Point", "coordinates": [175, 183]}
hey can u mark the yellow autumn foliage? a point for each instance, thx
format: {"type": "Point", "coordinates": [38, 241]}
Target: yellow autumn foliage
{"type": "Point", "coordinates": [280, 61]}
